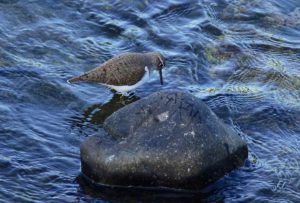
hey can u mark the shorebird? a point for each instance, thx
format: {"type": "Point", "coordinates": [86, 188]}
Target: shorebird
{"type": "Point", "coordinates": [125, 72]}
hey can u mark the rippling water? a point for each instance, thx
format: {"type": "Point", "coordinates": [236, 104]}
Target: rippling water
{"type": "Point", "coordinates": [242, 57]}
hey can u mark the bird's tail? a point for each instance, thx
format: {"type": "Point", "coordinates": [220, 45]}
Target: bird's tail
{"type": "Point", "coordinates": [75, 80]}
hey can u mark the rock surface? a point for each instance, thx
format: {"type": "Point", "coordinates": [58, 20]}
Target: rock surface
{"type": "Point", "coordinates": [168, 139]}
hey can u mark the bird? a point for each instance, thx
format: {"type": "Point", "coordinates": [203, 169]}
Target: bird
{"type": "Point", "coordinates": [124, 72]}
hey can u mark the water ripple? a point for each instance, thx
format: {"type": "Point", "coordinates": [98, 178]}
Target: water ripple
{"type": "Point", "coordinates": [240, 57]}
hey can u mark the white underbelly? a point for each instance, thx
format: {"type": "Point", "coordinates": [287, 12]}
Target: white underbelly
{"type": "Point", "coordinates": [126, 88]}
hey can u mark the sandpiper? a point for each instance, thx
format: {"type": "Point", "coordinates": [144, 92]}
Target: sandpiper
{"type": "Point", "coordinates": [125, 72]}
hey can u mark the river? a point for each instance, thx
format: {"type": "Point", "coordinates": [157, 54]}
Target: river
{"type": "Point", "coordinates": [241, 57]}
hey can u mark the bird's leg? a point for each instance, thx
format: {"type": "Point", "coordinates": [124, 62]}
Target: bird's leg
{"type": "Point", "coordinates": [123, 98]}
{"type": "Point", "coordinates": [125, 94]}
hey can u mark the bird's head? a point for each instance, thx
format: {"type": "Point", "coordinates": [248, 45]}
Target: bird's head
{"type": "Point", "coordinates": [159, 62]}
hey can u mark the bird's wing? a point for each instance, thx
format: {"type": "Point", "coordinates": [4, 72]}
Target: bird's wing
{"type": "Point", "coordinates": [125, 69]}
{"type": "Point", "coordinates": [116, 72]}
{"type": "Point", "coordinates": [123, 74]}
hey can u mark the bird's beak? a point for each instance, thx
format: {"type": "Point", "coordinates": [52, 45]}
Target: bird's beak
{"type": "Point", "coordinates": [160, 76]}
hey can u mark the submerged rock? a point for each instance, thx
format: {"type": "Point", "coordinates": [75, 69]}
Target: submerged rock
{"type": "Point", "coordinates": [168, 139]}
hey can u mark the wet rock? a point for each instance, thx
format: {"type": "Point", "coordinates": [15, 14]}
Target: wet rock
{"type": "Point", "coordinates": [210, 28]}
{"type": "Point", "coordinates": [169, 139]}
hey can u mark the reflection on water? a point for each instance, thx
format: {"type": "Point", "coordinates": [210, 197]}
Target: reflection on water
{"type": "Point", "coordinates": [138, 194]}
{"type": "Point", "coordinates": [97, 113]}
{"type": "Point", "coordinates": [241, 57]}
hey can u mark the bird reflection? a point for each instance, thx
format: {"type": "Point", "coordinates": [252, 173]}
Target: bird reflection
{"type": "Point", "coordinates": [96, 114]}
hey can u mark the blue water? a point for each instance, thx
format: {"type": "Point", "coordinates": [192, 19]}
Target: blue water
{"type": "Point", "coordinates": [241, 57]}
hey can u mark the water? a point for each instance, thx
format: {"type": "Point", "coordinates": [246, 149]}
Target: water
{"type": "Point", "coordinates": [241, 57]}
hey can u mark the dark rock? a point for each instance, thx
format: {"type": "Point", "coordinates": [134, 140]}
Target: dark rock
{"type": "Point", "coordinates": [211, 28]}
{"type": "Point", "coordinates": [169, 139]}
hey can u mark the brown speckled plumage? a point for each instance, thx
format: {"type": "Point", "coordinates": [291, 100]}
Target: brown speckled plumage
{"type": "Point", "coordinates": [125, 69]}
